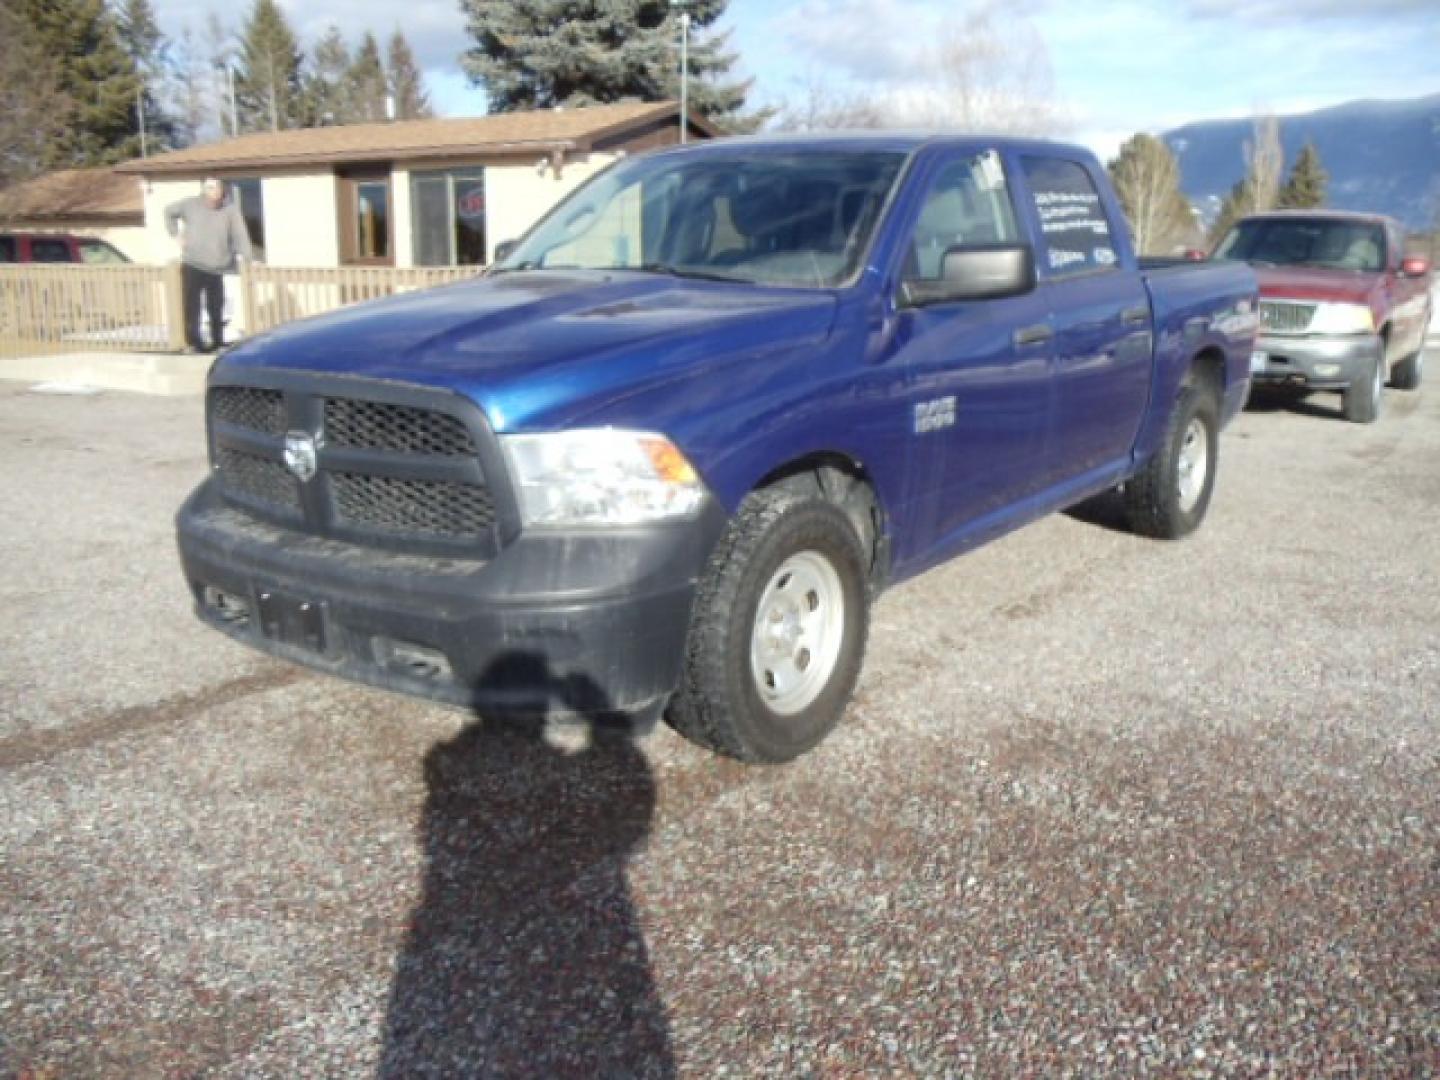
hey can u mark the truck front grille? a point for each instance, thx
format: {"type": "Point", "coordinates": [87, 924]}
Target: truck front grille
{"type": "Point", "coordinates": [394, 473]}
{"type": "Point", "coordinates": [379, 425]}
{"type": "Point", "coordinates": [248, 407]}
{"type": "Point", "coordinates": [434, 507]}
{"type": "Point", "coordinates": [1285, 317]}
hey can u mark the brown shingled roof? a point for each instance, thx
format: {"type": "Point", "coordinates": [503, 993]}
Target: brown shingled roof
{"type": "Point", "coordinates": [515, 132]}
{"type": "Point", "coordinates": [99, 195]}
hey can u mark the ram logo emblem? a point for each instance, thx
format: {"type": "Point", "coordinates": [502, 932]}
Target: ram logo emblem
{"type": "Point", "coordinates": [300, 454]}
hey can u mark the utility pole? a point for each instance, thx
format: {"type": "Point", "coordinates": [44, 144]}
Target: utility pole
{"type": "Point", "coordinates": [684, 68]}
{"type": "Point", "coordinates": [140, 115]}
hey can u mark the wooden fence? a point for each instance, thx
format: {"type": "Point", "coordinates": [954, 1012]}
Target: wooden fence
{"type": "Point", "coordinates": [70, 309]}
{"type": "Point", "coordinates": [279, 294]}
{"type": "Point", "coordinates": [54, 309]}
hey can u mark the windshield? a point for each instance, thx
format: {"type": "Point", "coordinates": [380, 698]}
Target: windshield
{"type": "Point", "coordinates": [1333, 245]}
{"type": "Point", "coordinates": [766, 218]}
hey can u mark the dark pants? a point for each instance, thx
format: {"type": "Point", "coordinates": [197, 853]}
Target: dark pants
{"type": "Point", "coordinates": [200, 283]}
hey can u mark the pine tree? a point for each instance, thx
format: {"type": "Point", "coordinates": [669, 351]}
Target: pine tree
{"type": "Point", "coordinates": [407, 86]}
{"type": "Point", "coordinates": [1236, 205]}
{"type": "Point", "coordinates": [268, 82]}
{"type": "Point", "coordinates": [149, 52]}
{"type": "Point", "coordinates": [1305, 189]}
{"type": "Point", "coordinates": [33, 109]}
{"type": "Point", "coordinates": [367, 83]}
{"type": "Point", "coordinates": [327, 87]}
{"type": "Point", "coordinates": [1147, 181]}
{"type": "Point", "coordinates": [540, 53]}
{"type": "Point", "coordinates": [95, 81]}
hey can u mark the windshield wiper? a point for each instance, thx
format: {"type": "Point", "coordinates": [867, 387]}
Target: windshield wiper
{"type": "Point", "coordinates": [675, 271]}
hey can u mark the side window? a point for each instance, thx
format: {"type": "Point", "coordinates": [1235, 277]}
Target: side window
{"type": "Point", "coordinates": [1076, 233]}
{"type": "Point", "coordinates": [99, 253]}
{"type": "Point", "coordinates": [7, 249]}
{"type": "Point", "coordinates": [968, 205]}
{"type": "Point", "coordinates": [49, 251]}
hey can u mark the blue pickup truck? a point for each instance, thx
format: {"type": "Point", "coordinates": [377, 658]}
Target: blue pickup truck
{"type": "Point", "coordinates": [662, 458]}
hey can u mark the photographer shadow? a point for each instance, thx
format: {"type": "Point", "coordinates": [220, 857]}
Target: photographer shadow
{"type": "Point", "coordinates": [524, 956]}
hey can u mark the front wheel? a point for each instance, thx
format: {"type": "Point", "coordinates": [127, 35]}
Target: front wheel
{"type": "Point", "coordinates": [1407, 373]}
{"type": "Point", "coordinates": [1168, 498]}
{"type": "Point", "coordinates": [778, 631]}
{"type": "Point", "coordinates": [1361, 400]}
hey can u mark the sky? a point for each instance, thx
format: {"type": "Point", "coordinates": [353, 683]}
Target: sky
{"type": "Point", "coordinates": [1119, 66]}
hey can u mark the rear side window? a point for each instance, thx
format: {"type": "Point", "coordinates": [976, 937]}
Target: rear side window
{"type": "Point", "coordinates": [7, 249]}
{"type": "Point", "coordinates": [1076, 232]}
{"type": "Point", "coordinates": [49, 251]}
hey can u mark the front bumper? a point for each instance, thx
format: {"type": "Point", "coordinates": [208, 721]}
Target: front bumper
{"type": "Point", "coordinates": [1318, 363]}
{"type": "Point", "coordinates": [576, 622]}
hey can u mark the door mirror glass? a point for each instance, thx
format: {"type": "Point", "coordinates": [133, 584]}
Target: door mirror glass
{"type": "Point", "coordinates": [505, 249]}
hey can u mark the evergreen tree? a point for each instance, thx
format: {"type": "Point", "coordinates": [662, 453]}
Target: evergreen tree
{"type": "Point", "coordinates": [328, 83]}
{"type": "Point", "coordinates": [407, 86]}
{"type": "Point", "coordinates": [149, 52]}
{"type": "Point", "coordinates": [368, 87]}
{"type": "Point", "coordinates": [95, 82]}
{"type": "Point", "coordinates": [1236, 205]}
{"type": "Point", "coordinates": [1305, 189]}
{"type": "Point", "coordinates": [268, 88]}
{"type": "Point", "coordinates": [540, 53]}
{"type": "Point", "coordinates": [1147, 181]}
{"type": "Point", "coordinates": [32, 106]}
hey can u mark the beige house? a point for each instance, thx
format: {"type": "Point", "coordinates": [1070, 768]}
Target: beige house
{"type": "Point", "coordinates": [409, 193]}
{"type": "Point", "coordinates": [99, 203]}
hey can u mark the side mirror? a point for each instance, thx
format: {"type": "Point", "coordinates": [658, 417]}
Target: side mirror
{"type": "Point", "coordinates": [505, 249]}
{"type": "Point", "coordinates": [1415, 266]}
{"type": "Point", "coordinates": [981, 272]}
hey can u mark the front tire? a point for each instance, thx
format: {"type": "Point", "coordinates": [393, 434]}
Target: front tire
{"type": "Point", "coordinates": [1167, 499]}
{"type": "Point", "coordinates": [1363, 396]}
{"type": "Point", "coordinates": [1408, 372]}
{"type": "Point", "coordinates": [778, 632]}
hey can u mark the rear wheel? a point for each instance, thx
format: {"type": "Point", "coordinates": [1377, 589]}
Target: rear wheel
{"type": "Point", "coordinates": [1168, 498]}
{"type": "Point", "coordinates": [1362, 398]}
{"type": "Point", "coordinates": [778, 631]}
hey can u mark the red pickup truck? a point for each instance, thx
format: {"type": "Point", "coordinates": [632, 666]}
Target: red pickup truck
{"type": "Point", "coordinates": [58, 248]}
{"type": "Point", "coordinates": [1341, 307]}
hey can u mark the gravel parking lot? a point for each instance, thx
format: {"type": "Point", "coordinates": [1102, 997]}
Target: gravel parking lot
{"type": "Point", "coordinates": [1103, 806]}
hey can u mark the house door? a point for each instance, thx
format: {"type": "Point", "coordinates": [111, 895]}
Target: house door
{"type": "Point", "coordinates": [367, 225]}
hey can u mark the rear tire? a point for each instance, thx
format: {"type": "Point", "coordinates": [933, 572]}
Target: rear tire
{"type": "Point", "coordinates": [1168, 497]}
{"type": "Point", "coordinates": [778, 632]}
{"type": "Point", "coordinates": [1362, 398]}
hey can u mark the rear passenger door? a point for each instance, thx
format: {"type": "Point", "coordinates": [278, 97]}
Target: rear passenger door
{"type": "Point", "coordinates": [977, 371]}
{"type": "Point", "coordinates": [1100, 310]}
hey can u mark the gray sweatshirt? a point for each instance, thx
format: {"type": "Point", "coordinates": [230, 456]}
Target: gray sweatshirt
{"type": "Point", "coordinates": [212, 237]}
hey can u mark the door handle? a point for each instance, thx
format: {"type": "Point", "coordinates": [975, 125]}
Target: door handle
{"type": "Point", "coordinates": [1033, 335]}
{"type": "Point", "coordinates": [1135, 316]}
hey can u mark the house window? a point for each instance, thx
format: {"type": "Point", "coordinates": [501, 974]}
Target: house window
{"type": "Point", "coordinates": [248, 193]}
{"type": "Point", "coordinates": [449, 217]}
{"type": "Point", "coordinates": [366, 228]}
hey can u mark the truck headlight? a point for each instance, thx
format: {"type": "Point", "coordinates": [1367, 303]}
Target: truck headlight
{"type": "Point", "coordinates": [1342, 319]}
{"type": "Point", "coordinates": [601, 477]}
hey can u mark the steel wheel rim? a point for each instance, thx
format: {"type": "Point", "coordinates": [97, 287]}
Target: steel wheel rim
{"type": "Point", "coordinates": [798, 629]}
{"type": "Point", "coordinates": [1194, 464]}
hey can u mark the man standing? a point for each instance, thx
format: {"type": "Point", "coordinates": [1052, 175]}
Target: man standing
{"type": "Point", "coordinates": [214, 236]}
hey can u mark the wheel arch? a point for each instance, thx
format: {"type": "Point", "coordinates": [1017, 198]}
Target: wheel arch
{"type": "Point", "coordinates": [845, 481]}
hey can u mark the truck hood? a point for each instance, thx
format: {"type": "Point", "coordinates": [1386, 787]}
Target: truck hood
{"type": "Point", "coordinates": [545, 348]}
{"type": "Point", "coordinates": [1316, 283]}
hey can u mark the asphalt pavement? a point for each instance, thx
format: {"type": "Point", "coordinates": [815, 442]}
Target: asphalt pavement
{"type": "Point", "coordinates": [1102, 806]}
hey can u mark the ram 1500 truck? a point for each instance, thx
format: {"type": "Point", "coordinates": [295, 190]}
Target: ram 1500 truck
{"type": "Point", "coordinates": [1341, 306]}
{"type": "Point", "coordinates": [664, 456]}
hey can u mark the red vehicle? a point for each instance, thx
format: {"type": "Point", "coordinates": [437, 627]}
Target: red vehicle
{"type": "Point", "coordinates": [58, 248]}
{"type": "Point", "coordinates": [1341, 307]}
